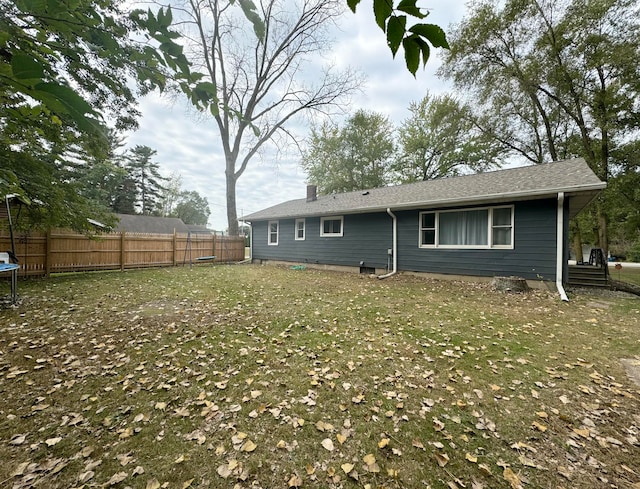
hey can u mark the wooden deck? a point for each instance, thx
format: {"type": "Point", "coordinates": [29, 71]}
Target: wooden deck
{"type": "Point", "coordinates": [587, 276]}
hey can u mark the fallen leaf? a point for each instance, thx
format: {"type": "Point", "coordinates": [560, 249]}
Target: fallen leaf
{"type": "Point", "coordinates": [117, 478]}
{"type": "Point", "coordinates": [341, 438]}
{"type": "Point", "coordinates": [327, 444]}
{"type": "Point", "coordinates": [417, 444]}
{"type": "Point", "coordinates": [248, 446]}
{"type": "Point", "coordinates": [18, 440]}
{"type": "Point", "coordinates": [471, 458]}
{"type": "Point", "coordinates": [383, 443]}
{"type": "Point", "coordinates": [186, 484]}
{"type": "Point", "coordinates": [369, 459]}
{"type": "Point", "coordinates": [511, 477]}
{"type": "Point", "coordinates": [539, 426]}
{"type": "Point", "coordinates": [441, 458]}
{"type": "Point", "coordinates": [86, 476]}
{"type": "Point", "coordinates": [124, 459]}
{"type": "Point", "coordinates": [347, 468]}
{"type": "Point", "coordinates": [161, 406]}
{"type": "Point", "coordinates": [53, 441]}
{"type": "Point", "coordinates": [295, 481]}
{"type": "Point", "coordinates": [583, 432]}
{"type": "Point", "coordinates": [224, 471]}
{"type": "Point", "coordinates": [182, 411]}
{"type": "Point", "coordinates": [153, 484]}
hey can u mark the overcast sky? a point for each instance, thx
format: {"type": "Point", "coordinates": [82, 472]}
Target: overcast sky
{"type": "Point", "coordinates": [188, 145]}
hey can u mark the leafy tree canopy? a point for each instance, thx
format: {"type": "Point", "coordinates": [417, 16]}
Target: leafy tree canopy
{"type": "Point", "coordinates": [552, 80]}
{"type": "Point", "coordinates": [356, 156]}
{"type": "Point", "coordinates": [65, 68]}
{"type": "Point", "coordinates": [192, 208]}
{"type": "Point", "coordinates": [441, 140]}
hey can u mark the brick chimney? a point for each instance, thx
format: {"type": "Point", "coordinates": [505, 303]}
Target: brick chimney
{"type": "Point", "coordinates": [312, 193]}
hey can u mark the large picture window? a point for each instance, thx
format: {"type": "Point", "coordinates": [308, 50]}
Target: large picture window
{"type": "Point", "coordinates": [490, 227]}
{"type": "Point", "coordinates": [273, 233]}
{"type": "Point", "coordinates": [331, 226]}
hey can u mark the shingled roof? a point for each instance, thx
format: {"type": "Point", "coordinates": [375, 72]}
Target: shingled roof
{"type": "Point", "coordinates": [573, 177]}
{"type": "Point", "coordinates": [150, 224]}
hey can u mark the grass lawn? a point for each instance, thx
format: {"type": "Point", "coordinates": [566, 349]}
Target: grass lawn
{"type": "Point", "coordinates": [625, 274]}
{"type": "Point", "coordinates": [265, 377]}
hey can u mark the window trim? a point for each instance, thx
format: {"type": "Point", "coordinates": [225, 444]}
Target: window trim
{"type": "Point", "coordinates": [269, 242]}
{"type": "Point", "coordinates": [490, 228]}
{"type": "Point", "coordinates": [304, 229]}
{"type": "Point", "coordinates": [511, 225]}
{"type": "Point", "coordinates": [332, 218]}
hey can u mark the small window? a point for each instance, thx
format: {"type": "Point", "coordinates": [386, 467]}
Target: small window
{"type": "Point", "coordinates": [428, 229]}
{"type": "Point", "coordinates": [502, 227]}
{"type": "Point", "coordinates": [273, 233]}
{"type": "Point", "coordinates": [299, 229]}
{"type": "Point", "coordinates": [331, 226]}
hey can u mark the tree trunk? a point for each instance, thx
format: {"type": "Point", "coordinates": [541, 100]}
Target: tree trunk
{"type": "Point", "coordinates": [576, 242]}
{"type": "Point", "coordinates": [232, 213]}
{"type": "Point", "coordinates": [603, 239]}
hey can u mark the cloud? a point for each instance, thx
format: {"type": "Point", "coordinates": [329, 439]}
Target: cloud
{"type": "Point", "coordinates": [189, 144]}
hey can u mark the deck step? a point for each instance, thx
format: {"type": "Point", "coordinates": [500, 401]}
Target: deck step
{"type": "Point", "coordinates": [587, 276]}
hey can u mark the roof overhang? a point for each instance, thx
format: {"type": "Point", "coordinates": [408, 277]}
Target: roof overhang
{"type": "Point", "coordinates": [581, 196]}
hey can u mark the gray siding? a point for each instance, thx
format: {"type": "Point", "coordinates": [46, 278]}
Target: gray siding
{"type": "Point", "coordinates": [368, 236]}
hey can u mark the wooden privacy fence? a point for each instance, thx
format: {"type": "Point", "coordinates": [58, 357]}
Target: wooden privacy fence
{"type": "Point", "coordinates": [64, 251]}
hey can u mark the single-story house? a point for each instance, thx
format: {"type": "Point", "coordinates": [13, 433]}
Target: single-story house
{"type": "Point", "coordinates": [511, 222]}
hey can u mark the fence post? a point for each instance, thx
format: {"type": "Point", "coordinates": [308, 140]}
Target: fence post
{"type": "Point", "coordinates": [122, 253]}
{"type": "Point", "coordinates": [213, 247]}
{"type": "Point", "coordinates": [47, 254]}
{"type": "Point", "coordinates": [175, 247]}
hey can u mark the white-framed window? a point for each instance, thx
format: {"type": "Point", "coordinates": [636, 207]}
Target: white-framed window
{"type": "Point", "coordinates": [502, 227]}
{"type": "Point", "coordinates": [331, 226]}
{"type": "Point", "coordinates": [300, 229]}
{"type": "Point", "coordinates": [487, 227]}
{"type": "Point", "coordinates": [274, 228]}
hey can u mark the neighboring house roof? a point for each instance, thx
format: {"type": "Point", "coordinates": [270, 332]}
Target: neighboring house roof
{"type": "Point", "coordinates": [199, 229]}
{"type": "Point", "coordinates": [150, 224]}
{"type": "Point", "coordinates": [573, 177]}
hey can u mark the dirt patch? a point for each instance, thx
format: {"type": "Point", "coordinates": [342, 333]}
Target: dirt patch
{"type": "Point", "coordinates": [632, 367]}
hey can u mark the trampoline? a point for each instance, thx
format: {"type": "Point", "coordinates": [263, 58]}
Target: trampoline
{"type": "Point", "coordinates": [13, 269]}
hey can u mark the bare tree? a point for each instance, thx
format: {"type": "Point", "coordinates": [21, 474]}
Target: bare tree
{"type": "Point", "coordinates": [260, 81]}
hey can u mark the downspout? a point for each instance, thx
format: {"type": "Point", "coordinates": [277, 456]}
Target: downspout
{"type": "Point", "coordinates": [394, 248]}
{"type": "Point", "coordinates": [560, 247]}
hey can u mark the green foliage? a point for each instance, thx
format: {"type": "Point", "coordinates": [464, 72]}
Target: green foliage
{"type": "Point", "coordinates": [440, 140]}
{"type": "Point", "coordinates": [416, 40]}
{"type": "Point", "coordinates": [65, 68]}
{"type": "Point", "coordinates": [192, 208]}
{"type": "Point", "coordinates": [145, 176]}
{"type": "Point", "coordinates": [633, 255]}
{"type": "Point", "coordinates": [552, 80]}
{"type": "Point", "coordinates": [356, 156]}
